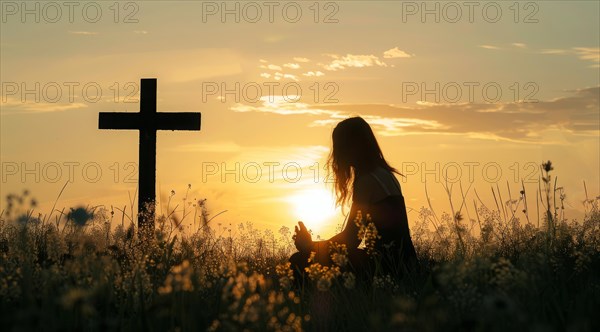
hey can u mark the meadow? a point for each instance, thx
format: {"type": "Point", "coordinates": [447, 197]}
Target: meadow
{"type": "Point", "coordinates": [515, 265]}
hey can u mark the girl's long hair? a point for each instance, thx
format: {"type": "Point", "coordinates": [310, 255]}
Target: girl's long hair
{"type": "Point", "coordinates": [355, 151]}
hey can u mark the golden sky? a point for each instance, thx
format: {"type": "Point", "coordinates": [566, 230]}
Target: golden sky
{"type": "Point", "coordinates": [477, 92]}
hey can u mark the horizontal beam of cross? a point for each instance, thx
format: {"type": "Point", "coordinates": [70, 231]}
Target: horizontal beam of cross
{"type": "Point", "coordinates": [158, 121]}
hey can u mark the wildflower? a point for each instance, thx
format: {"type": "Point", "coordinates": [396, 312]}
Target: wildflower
{"type": "Point", "coordinates": [214, 326]}
{"type": "Point", "coordinates": [323, 284]}
{"type": "Point", "coordinates": [458, 217]}
{"type": "Point", "coordinates": [505, 275]}
{"type": "Point", "coordinates": [547, 166]}
{"type": "Point", "coordinates": [367, 231]}
{"type": "Point", "coordinates": [80, 299]}
{"type": "Point", "coordinates": [286, 275]}
{"type": "Point", "coordinates": [339, 254]}
{"type": "Point", "coordinates": [349, 280]}
{"type": "Point", "coordinates": [386, 282]}
{"type": "Point", "coordinates": [323, 275]}
{"type": "Point", "coordinates": [80, 216]}
{"type": "Point", "coordinates": [178, 279]}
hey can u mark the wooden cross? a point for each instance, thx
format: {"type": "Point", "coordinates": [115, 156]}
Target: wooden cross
{"type": "Point", "coordinates": [148, 121]}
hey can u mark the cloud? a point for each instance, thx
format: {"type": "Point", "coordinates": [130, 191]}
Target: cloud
{"type": "Point", "coordinates": [274, 67]}
{"type": "Point", "coordinates": [338, 62]}
{"type": "Point", "coordinates": [352, 61]}
{"type": "Point", "coordinates": [14, 106]}
{"type": "Point", "coordinates": [283, 105]}
{"type": "Point", "coordinates": [584, 53]}
{"type": "Point", "coordinates": [313, 74]}
{"type": "Point", "coordinates": [553, 51]}
{"type": "Point", "coordinates": [489, 47]}
{"type": "Point", "coordinates": [395, 53]}
{"type": "Point", "coordinates": [575, 115]}
{"type": "Point", "coordinates": [589, 54]}
{"type": "Point", "coordinates": [385, 126]}
{"type": "Point", "coordinates": [83, 33]}
{"type": "Point", "coordinates": [278, 76]}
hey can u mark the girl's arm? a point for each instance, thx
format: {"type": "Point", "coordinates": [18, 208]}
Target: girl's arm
{"type": "Point", "coordinates": [349, 235]}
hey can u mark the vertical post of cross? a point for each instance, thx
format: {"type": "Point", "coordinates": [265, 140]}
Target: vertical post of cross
{"type": "Point", "coordinates": [148, 121]}
{"type": "Point", "coordinates": [147, 155]}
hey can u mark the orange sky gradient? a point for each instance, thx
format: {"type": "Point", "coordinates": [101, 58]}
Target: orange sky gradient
{"type": "Point", "coordinates": [478, 101]}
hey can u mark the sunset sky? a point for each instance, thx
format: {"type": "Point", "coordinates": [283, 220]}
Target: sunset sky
{"type": "Point", "coordinates": [498, 88]}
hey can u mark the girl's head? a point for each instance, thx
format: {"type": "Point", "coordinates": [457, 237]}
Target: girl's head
{"type": "Point", "coordinates": [355, 151]}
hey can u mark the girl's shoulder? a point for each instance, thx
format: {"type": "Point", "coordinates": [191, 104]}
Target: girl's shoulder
{"type": "Point", "coordinates": [375, 186]}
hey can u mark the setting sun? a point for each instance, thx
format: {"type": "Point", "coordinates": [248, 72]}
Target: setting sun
{"type": "Point", "coordinates": [314, 207]}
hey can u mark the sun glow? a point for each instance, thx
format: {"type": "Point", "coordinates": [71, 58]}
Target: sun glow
{"type": "Point", "coordinates": [314, 207]}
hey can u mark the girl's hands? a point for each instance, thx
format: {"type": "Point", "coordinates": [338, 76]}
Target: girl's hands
{"type": "Point", "coordinates": [302, 238]}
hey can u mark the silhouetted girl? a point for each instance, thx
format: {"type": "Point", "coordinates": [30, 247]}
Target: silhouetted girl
{"type": "Point", "coordinates": [362, 175]}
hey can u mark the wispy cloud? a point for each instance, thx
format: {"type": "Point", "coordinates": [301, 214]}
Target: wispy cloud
{"type": "Point", "coordinates": [313, 74]}
{"type": "Point", "coordinates": [271, 67]}
{"type": "Point", "coordinates": [83, 33]}
{"type": "Point", "coordinates": [278, 76]}
{"type": "Point", "coordinates": [279, 73]}
{"type": "Point", "coordinates": [489, 47]}
{"type": "Point", "coordinates": [395, 53]}
{"type": "Point", "coordinates": [589, 54]}
{"type": "Point", "coordinates": [584, 53]}
{"type": "Point", "coordinates": [301, 59]}
{"type": "Point", "coordinates": [292, 65]}
{"type": "Point", "coordinates": [352, 61]}
{"type": "Point", "coordinates": [14, 106]}
{"type": "Point", "coordinates": [334, 62]}
{"type": "Point", "coordinates": [282, 105]}
{"type": "Point", "coordinates": [553, 51]}
{"type": "Point", "coordinates": [576, 114]}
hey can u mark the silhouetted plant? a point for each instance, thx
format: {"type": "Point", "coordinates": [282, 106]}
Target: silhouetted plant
{"type": "Point", "coordinates": [58, 272]}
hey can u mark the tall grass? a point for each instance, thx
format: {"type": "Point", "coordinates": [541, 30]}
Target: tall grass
{"type": "Point", "coordinates": [482, 269]}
